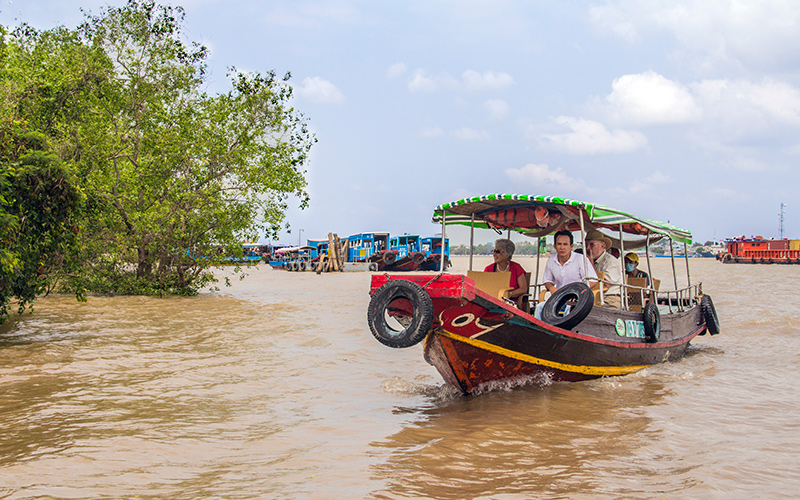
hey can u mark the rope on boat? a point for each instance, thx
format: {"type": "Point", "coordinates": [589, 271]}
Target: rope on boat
{"type": "Point", "coordinates": [436, 277]}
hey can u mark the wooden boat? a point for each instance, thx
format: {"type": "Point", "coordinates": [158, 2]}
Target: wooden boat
{"type": "Point", "coordinates": [296, 258]}
{"type": "Point", "coordinates": [476, 340]}
{"type": "Point", "coordinates": [409, 254]}
{"type": "Point", "coordinates": [372, 248]}
{"type": "Point", "coordinates": [434, 253]}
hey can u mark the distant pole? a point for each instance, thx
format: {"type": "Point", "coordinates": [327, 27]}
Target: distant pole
{"type": "Point", "coordinates": [780, 220]}
{"type": "Point", "coordinates": [300, 238]}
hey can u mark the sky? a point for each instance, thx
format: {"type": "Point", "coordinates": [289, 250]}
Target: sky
{"type": "Point", "coordinates": [678, 111]}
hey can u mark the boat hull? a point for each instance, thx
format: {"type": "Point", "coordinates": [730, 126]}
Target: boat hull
{"type": "Point", "coordinates": [477, 340]}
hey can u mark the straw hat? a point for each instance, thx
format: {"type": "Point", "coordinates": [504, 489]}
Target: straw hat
{"type": "Point", "coordinates": [632, 257]}
{"type": "Point", "coordinates": [594, 234]}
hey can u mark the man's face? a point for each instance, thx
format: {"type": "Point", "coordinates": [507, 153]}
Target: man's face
{"type": "Point", "coordinates": [563, 246]}
{"type": "Point", "coordinates": [595, 248]}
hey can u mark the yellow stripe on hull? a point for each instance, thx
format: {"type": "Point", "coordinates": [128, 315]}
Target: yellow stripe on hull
{"type": "Point", "coordinates": [600, 371]}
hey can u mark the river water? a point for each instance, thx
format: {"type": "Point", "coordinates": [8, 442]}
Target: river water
{"type": "Point", "coordinates": [274, 388]}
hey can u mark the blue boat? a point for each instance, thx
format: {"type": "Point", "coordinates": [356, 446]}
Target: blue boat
{"type": "Point", "coordinates": [371, 248]}
{"type": "Point", "coordinates": [293, 258]}
{"type": "Point", "coordinates": [409, 252]}
{"type": "Point", "coordinates": [432, 247]}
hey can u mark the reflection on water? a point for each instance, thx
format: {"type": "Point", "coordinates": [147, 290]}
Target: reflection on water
{"type": "Point", "coordinates": [276, 389]}
{"type": "Point", "coordinates": [537, 439]}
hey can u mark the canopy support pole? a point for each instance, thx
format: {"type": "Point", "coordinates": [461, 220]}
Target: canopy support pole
{"type": "Point", "coordinates": [647, 256]}
{"type": "Point", "coordinates": [623, 292]}
{"type": "Point", "coordinates": [536, 278]}
{"type": "Point", "coordinates": [686, 258]}
{"type": "Point", "coordinates": [583, 244]}
{"type": "Point", "coordinates": [674, 275]}
{"type": "Point", "coordinates": [441, 262]}
{"type": "Point", "coordinates": [471, 239]}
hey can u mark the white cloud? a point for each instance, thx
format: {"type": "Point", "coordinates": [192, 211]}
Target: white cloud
{"type": "Point", "coordinates": [487, 81]}
{"type": "Point", "coordinates": [468, 134]}
{"type": "Point", "coordinates": [647, 184]}
{"type": "Point", "coordinates": [420, 82]}
{"type": "Point", "coordinates": [498, 109]}
{"type": "Point", "coordinates": [319, 90]}
{"type": "Point", "coordinates": [590, 137]}
{"type": "Point", "coordinates": [730, 194]}
{"type": "Point", "coordinates": [431, 132]}
{"type": "Point", "coordinates": [543, 177]}
{"type": "Point", "coordinates": [748, 164]}
{"type": "Point", "coordinates": [396, 70]}
{"type": "Point", "coordinates": [471, 81]}
{"type": "Point", "coordinates": [650, 99]}
{"type": "Point", "coordinates": [712, 34]}
{"type": "Point", "coordinates": [462, 134]}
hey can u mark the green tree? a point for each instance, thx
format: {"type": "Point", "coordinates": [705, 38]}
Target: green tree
{"type": "Point", "coordinates": [175, 179]}
{"type": "Point", "coordinates": [39, 204]}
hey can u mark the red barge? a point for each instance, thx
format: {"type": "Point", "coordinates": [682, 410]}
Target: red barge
{"type": "Point", "coordinates": [758, 250]}
{"type": "Point", "coordinates": [475, 339]}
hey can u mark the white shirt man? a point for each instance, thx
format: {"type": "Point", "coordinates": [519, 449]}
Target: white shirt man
{"type": "Point", "coordinates": [565, 266]}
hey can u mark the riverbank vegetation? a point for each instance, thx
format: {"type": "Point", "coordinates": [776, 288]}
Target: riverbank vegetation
{"type": "Point", "coordinates": [119, 173]}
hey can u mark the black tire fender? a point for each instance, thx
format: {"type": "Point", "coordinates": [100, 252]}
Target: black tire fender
{"type": "Point", "coordinates": [709, 314]}
{"type": "Point", "coordinates": [302, 265]}
{"type": "Point", "coordinates": [568, 306]}
{"type": "Point", "coordinates": [652, 323]}
{"type": "Point", "coordinates": [381, 303]}
{"type": "Point", "coordinates": [389, 258]}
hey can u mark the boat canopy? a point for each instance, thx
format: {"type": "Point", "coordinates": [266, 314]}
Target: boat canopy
{"type": "Point", "coordinates": [294, 249]}
{"type": "Point", "coordinates": [536, 216]}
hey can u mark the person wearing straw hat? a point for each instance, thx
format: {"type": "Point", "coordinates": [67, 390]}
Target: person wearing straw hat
{"type": "Point", "coordinates": [632, 267]}
{"type": "Point", "coordinates": [597, 245]}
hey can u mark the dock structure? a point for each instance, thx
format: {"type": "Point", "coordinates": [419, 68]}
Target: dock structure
{"type": "Point", "coordinates": [332, 260]}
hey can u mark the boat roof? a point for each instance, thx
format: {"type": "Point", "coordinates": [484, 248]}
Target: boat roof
{"type": "Point", "coordinates": [294, 249]}
{"type": "Point", "coordinates": [491, 212]}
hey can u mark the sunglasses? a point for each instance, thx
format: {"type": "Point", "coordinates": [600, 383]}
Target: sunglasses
{"type": "Point", "coordinates": [497, 251]}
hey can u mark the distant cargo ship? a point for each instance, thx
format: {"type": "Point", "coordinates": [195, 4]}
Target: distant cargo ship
{"type": "Point", "coordinates": [758, 250]}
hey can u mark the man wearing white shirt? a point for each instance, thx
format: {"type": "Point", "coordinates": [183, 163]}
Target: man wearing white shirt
{"type": "Point", "coordinates": [565, 266]}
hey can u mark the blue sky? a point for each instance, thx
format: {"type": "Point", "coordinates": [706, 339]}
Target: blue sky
{"type": "Point", "coordinates": [671, 110]}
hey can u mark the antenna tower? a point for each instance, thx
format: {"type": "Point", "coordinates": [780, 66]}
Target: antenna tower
{"type": "Point", "coordinates": [780, 220]}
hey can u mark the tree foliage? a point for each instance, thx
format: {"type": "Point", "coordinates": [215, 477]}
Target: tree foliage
{"type": "Point", "coordinates": [168, 179]}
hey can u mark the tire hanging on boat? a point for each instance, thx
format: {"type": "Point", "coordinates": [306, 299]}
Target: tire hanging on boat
{"type": "Point", "coordinates": [389, 258]}
{"type": "Point", "coordinates": [302, 265]}
{"type": "Point", "coordinates": [652, 323]}
{"type": "Point", "coordinates": [373, 266]}
{"type": "Point", "coordinates": [390, 298]}
{"type": "Point", "coordinates": [568, 306]}
{"type": "Point", "coordinates": [709, 314]}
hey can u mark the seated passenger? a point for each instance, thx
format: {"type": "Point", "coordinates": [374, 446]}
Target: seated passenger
{"type": "Point", "coordinates": [596, 245]}
{"type": "Point", "coordinates": [565, 266]}
{"type": "Point", "coordinates": [503, 251]}
{"type": "Point", "coordinates": [632, 268]}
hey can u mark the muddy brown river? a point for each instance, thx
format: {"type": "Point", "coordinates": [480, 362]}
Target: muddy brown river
{"type": "Point", "coordinates": [274, 388]}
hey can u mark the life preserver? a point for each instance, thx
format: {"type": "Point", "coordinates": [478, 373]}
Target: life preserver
{"type": "Point", "coordinates": [568, 306]}
{"type": "Point", "coordinates": [395, 296]}
{"type": "Point", "coordinates": [652, 323]}
{"type": "Point", "coordinates": [373, 266]}
{"type": "Point", "coordinates": [709, 314]}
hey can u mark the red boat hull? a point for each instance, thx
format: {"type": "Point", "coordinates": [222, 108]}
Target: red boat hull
{"type": "Point", "coordinates": [477, 340]}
